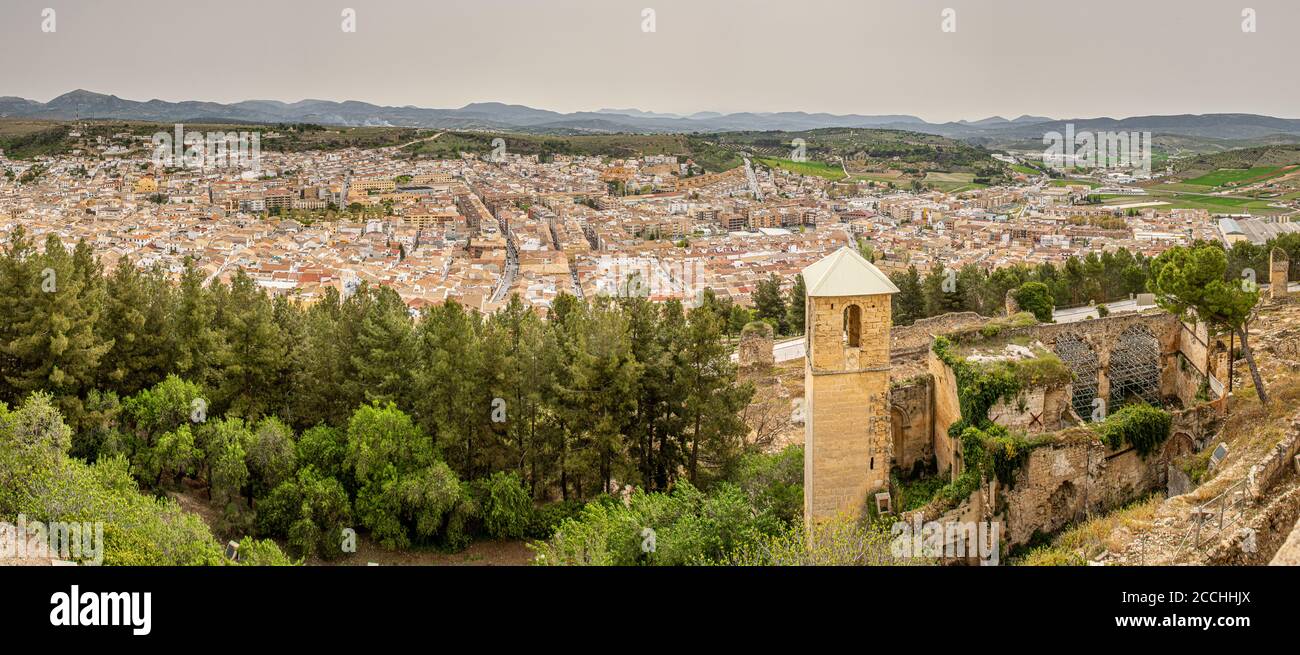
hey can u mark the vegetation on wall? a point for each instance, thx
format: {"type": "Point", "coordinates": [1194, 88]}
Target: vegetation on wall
{"type": "Point", "coordinates": [990, 450]}
{"type": "Point", "coordinates": [1140, 425]}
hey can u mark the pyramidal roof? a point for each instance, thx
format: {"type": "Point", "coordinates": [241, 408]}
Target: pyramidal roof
{"type": "Point", "coordinates": [846, 273]}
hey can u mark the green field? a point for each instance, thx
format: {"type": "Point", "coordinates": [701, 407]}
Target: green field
{"type": "Point", "coordinates": [810, 168]}
{"type": "Point", "coordinates": [884, 179]}
{"type": "Point", "coordinates": [952, 182]}
{"type": "Point", "coordinates": [1224, 176]}
{"type": "Point", "coordinates": [1021, 168]}
{"type": "Point", "coordinates": [1088, 183]}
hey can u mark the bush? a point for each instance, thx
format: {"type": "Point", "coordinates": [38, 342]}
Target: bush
{"type": "Point", "coordinates": [1036, 298]}
{"type": "Point", "coordinates": [774, 483]}
{"type": "Point", "coordinates": [504, 505]}
{"type": "Point", "coordinates": [683, 527]}
{"type": "Point", "coordinates": [310, 510]}
{"type": "Point", "coordinates": [548, 517]}
{"type": "Point", "coordinates": [1143, 426]}
{"type": "Point", "coordinates": [39, 481]}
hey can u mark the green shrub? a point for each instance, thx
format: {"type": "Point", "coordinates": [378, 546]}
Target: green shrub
{"type": "Point", "coordinates": [310, 511]}
{"type": "Point", "coordinates": [505, 505]}
{"type": "Point", "coordinates": [1036, 298]}
{"type": "Point", "coordinates": [39, 481]}
{"type": "Point", "coordinates": [548, 517]}
{"type": "Point", "coordinates": [685, 526]}
{"type": "Point", "coordinates": [1141, 425]}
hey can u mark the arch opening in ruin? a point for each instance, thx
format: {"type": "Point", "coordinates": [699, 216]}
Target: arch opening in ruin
{"type": "Point", "coordinates": [1078, 354]}
{"type": "Point", "coordinates": [1134, 369]}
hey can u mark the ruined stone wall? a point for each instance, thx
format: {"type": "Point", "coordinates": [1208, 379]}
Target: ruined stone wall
{"type": "Point", "coordinates": [1061, 484]}
{"type": "Point", "coordinates": [912, 422]}
{"type": "Point", "coordinates": [1036, 410]}
{"type": "Point", "coordinates": [1263, 538]}
{"type": "Point", "coordinates": [947, 410]}
{"type": "Point", "coordinates": [755, 349]}
{"type": "Point", "coordinates": [1277, 463]}
{"type": "Point", "coordinates": [1103, 336]}
{"type": "Point", "coordinates": [1278, 265]}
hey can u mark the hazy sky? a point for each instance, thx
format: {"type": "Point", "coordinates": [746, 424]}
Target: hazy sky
{"type": "Point", "coordinates": [1061, 58]}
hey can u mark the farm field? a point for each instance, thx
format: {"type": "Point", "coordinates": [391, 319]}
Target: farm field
{"type": "Point", "coordinates": [812, 168]}
{"type": "Point", "coordinates": [1068, 182]}
{"type": "Point", "coordinates": [893, 177]}
{"type": "Point", "coordinates": [952, 182]}
{"type": "Point", "coordinates": [1225, 176]}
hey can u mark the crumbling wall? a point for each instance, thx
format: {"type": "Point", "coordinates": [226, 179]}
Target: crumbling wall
{"type": "Point", "coordinates": [912, 422]}
{"type": "Point", "coordinates": [1278, 267]}
{"type": "Point", "coordinates": [755, 350]}
{"type": "Point", "coordinates": [1262, 538]}
{"type": "Point", "coordinates": [1277, 463]}
{"type": "Point", "coordinates": [1035, 410]}
{"type": "Point", "coordinates": [1103, 335]}
{"type": "Point", "coordinates": [1060, 484]}
{"type": "Point", "coordinates": [947, 410]}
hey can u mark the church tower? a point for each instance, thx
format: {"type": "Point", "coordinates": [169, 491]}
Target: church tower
{"type": "Point", "coordinates": [847, 436]}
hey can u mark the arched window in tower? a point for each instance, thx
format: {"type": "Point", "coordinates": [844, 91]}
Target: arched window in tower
{"type": "Point", "coordinates": [852, 326]}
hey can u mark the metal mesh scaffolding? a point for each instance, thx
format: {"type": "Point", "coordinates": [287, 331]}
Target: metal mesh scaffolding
{"type": "Point", "coordinates": [1082, 360]}
{"type": "Point", "coordinates": [1135, 366]}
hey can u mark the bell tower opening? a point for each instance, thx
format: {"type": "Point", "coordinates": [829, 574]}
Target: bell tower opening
{"type": "Point", "coordinates": [852, 326]}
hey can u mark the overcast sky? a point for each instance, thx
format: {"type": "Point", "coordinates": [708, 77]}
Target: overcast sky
{"type": "Point", "coordinates": [1060, 58]}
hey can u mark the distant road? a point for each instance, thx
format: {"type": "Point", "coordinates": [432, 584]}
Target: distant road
{"type": "Point", "coordinates": [784, 351]}
{"type": "Point", "coordinates": [752, 179]}
{"type": "Point", "coordinates": [427, 138]}
{"type": "Point", "coordinates": [1076, 314]}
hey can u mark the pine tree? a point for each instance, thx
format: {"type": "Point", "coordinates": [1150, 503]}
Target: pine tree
{"type": "Point", "coordinates": [254, 350]}
{"type": "Point", "coordinates": [712, 400]}
{"type": "Point", "coordinates": [797, 306]}
{"type": "Point", "coordinates": [199, 346]}
{"type": "Point", "coordinates": [142, 354]}
{"type": "Point", "coordinates": [55, 347]}
{"type": "Point", "coordinates": [769, 303]}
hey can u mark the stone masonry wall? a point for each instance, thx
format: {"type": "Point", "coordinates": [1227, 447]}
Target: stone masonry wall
{"type": "Point", "coordinates": [1060, 484]}
{"type": "Point", "coordinates": [846, 398]}
{"type": "Point", "coordinates": [911, 422]}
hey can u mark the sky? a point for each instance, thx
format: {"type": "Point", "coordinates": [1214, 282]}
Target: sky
{"type": "Point", "coordinates": [1058, 58]}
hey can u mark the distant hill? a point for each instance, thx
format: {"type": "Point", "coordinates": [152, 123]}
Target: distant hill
{"type": "Point", "coordinates": [1200, 132]}
{"type": "Point", "coordinates": [83, 104]}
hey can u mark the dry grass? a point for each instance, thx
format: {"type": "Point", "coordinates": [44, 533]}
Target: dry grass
{"type": "Point", "coordinates": [1085, 541]}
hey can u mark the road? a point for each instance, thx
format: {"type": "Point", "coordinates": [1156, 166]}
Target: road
{"type": "Point", "coordinates": [512, 263]}
{"type": "Point", "coordinates": [427, 138]}
{"type": "Point", "coordinates": [1076, 314]}
{"type": "Point", "coordinates": [753, 180]}
{"type": "Point", "coordinates": [784, 351]}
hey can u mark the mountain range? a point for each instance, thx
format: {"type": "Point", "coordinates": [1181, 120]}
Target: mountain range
{"type": "Point", "coordinates": [82, 104]}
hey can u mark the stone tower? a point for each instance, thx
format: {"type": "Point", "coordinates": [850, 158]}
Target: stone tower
{"type": "Point", "coordinates": [847, 447]}
{"type": "Point", "coordinates": [1278, 267]}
